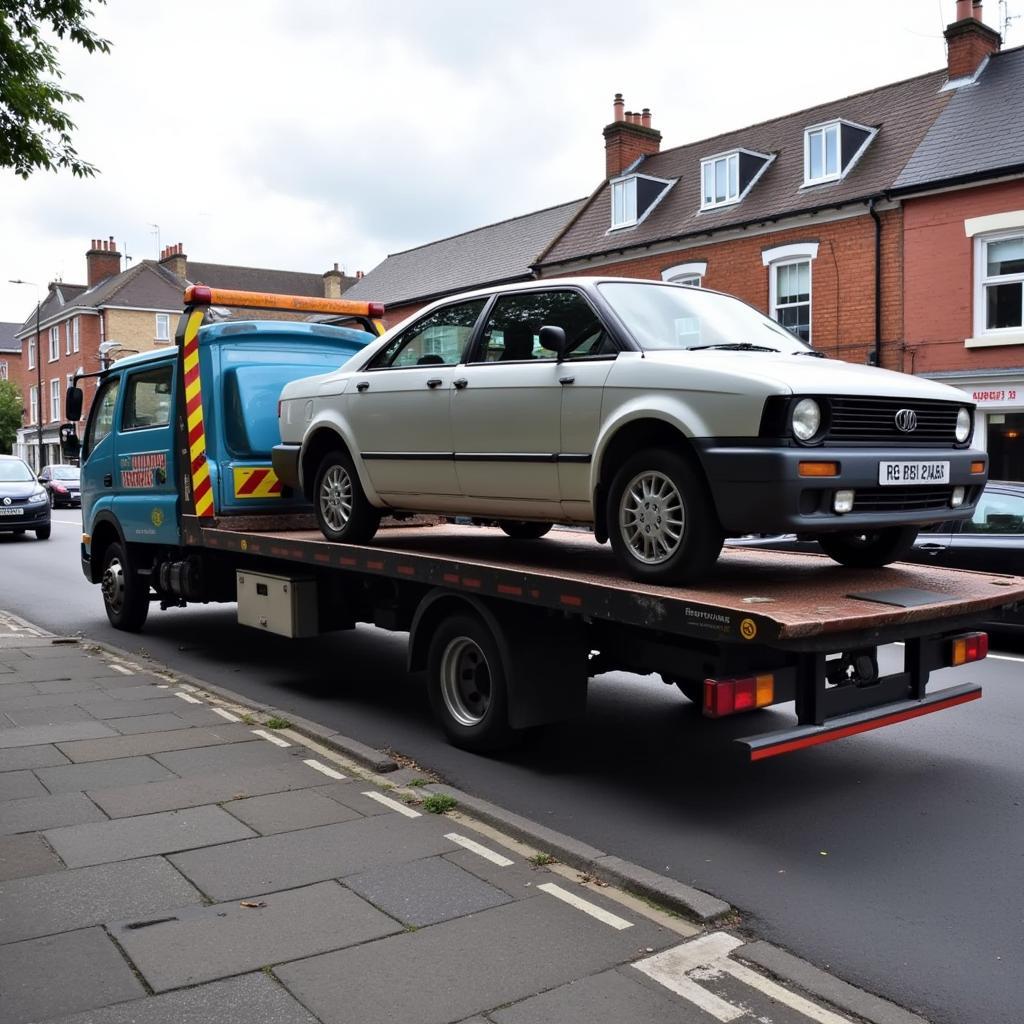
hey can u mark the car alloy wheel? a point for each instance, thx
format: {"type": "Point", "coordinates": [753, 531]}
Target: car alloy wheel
{"type": "Point", "coordinates": [652, 517]}
{"type": "Point", "coordinates": [336, 497]}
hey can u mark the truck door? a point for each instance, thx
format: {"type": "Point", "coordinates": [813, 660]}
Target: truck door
{"type": "Point", "coordinates": [97, 459]}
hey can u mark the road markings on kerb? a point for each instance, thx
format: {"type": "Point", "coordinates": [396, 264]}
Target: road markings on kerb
{"type": "Point", "coordinates": [393, 804]}
{"type": "Point", "coordinates": [681, 968]}
{"type": "Point", "coordinates": [479, 850]}
{"type": "Point", "coordinates": [120, 668]}
{"type": "Point", "coordinates": [188, 697]}
{"type": "Point", "coordinates": [318, 766]}
{"type": "Point", "coordinates": [276, 740]}
{"type": "Point", "coordinates": [587, 907]}
{"type": "Point", "coordinates": [227, 714]}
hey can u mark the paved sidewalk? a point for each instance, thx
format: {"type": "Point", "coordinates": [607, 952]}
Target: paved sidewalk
{"type": "Point", "coordinates": [167, 857]}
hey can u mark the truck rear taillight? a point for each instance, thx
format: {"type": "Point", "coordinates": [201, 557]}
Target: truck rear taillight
{"type": "Point", "coordinates": [375, 308]}
{"type": "Point", "coordinates": [969, 647]}
{"type": "Point", "coordinates": [744, 693]}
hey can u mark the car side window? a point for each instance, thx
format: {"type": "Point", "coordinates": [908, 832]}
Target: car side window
{"type": "Point", "coordinates": [101, 422]}
{"type": "Point", "coordinates": [147, 399]}
{"type": "Point", "coordinates": [437, 340]}
{"type": "Point", "coordinates": [997, 513]}
{"type": "Point", "coordinates": [512, 332]}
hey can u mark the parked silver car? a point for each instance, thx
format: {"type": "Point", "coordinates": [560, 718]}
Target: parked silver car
{"type": "Point", "coordinates": [664, 417]}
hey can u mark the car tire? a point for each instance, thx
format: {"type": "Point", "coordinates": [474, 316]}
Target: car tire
{"type": "Point", "coordinates": [342, 510]}
{"type": "Point", "coordinates": [125, 593]}
{"type": "Point", "coordinates": [53, 500]}
{"type": "Point", "coordinates": [467, 687]}
{"type": "Point", "coordinates": [43, 532]}
{"type": "Point", "coordinates": [674, 537]}
{"type": "Point", "coordinates": [521, 529]}
{"type": "Point", "coordinates": [869, 549]}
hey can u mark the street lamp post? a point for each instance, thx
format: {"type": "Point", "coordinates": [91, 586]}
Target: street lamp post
{"type": "Point", "coordinates": [39, 374]}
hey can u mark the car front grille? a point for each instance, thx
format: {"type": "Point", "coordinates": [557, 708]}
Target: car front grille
{"type": "Point", "coordinates": [868, 420]}
{"type": "Point", "coordinates": [901, 499]}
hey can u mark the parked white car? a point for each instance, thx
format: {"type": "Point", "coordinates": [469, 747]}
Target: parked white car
{"type": "Point", "coordinates": [664, 417]}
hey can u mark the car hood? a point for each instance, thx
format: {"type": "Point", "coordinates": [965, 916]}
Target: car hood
{"type": "Point", "coordinates": [779, 373]}
{"type": "Point", "coordinates": [17, 490]}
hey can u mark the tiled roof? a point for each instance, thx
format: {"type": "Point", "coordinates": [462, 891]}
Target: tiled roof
{"type": "Point", "coordinates": [979, 133]}
{"type": "Point", "coordinates": [901, 112]}
{"type": "Point", "coordinates": [488, 255]}
{"type": "Point", "coordinates": [256, 279]}
{"type": "Point", "coordinates": [8, 342]}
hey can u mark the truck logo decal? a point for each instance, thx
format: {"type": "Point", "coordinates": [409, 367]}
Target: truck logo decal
{"type": "Point", "coordinates": [256, 482]}
{"type": "Point", "coordinates": [143, 469]}
{"type": "Point", "coordinates": [748, 629]}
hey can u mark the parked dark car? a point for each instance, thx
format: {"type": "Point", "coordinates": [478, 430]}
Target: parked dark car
{"type": "Point", "coordinates": [992, 540]}
{"type": "Point", "coordinates": [62, 486]}
{"type": "Point", "coordinates": [23, 502]}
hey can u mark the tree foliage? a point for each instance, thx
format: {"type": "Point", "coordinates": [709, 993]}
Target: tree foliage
{"type": "Point", "coordinates": [10, 415]}
{"type": "Point", "coordinates": [35, 130]}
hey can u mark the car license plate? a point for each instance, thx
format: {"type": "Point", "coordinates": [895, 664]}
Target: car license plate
{"type": "Point", "coordinates": [11, 511]}
{"type": "Point", "coordinates": [894, 474]}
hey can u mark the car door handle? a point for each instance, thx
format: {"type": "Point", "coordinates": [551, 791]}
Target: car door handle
{"type": "Point", "coordinates": [363, 385]}
{"type": "Point", "coordinates": [460, 382]}
{"type": "Point", "coordinates": [108, 480]}
{"type": "Point", "coordinates": [931, 548]}
{"type": "Point", "coordinates": [566, 380]}
{"type": "Point", "coordinates": [434, 382]}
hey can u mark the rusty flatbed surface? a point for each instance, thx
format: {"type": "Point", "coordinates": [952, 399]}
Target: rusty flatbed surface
{"type": "Point", "coordinates": [752, 595]}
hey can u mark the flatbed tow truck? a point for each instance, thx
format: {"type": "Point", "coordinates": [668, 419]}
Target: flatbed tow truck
{"type": "Point", "coordinates": [508, 632]}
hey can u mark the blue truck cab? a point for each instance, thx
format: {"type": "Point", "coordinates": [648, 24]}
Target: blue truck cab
{"type": "Point", "coordinates": [156, 419]}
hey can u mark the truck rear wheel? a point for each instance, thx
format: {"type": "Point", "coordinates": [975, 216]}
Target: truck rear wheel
{"type": "Point", "coordinates": [342, 510]}
{"type": "Point", "coordinates": [467, 685]}
{"type": "Point", "coordinates": [869, 549]}
{"type": "Point", "coordinates": [125, 593]}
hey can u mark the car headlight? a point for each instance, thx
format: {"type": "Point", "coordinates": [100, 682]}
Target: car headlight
{"type": "Point", "coordinates": [805, 419]}
{"type": "Point", "coordinates": [963, 424]}
{"type": "Point", "coordinates": [37, 495]}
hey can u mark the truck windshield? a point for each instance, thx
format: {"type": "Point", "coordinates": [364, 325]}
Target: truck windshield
{"type": "Point", "coordinates": [664, 316]}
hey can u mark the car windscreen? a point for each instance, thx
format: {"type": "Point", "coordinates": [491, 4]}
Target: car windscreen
{"type": "Point", "coordinates": [65, 472]}
{"type": "Point", "coordinates": [662, 316]}
{"type": "Point", "coordinates": [14, 472]}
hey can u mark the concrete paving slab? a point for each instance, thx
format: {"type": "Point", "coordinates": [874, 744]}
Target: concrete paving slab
{"type": "Point", "coordinates": [48, 716]}
{"type": "Point", "coordinates": [426, 891]}
{"type": "Point", "coordinates": [256, 753]}
{"type": "Point", "coordinates": [126, 838]}
{"type": "Point", "coordinates": [33, 735]}
{"type": "Point", "coordinates": [64, 685]}
{"type": "Point", "coordinates": [118, 707]}
{"type": "Point", "coordinates": [29, 697]}
{"type": "Point", "coordinates": [150, 743]}
{"type": "Point", "coordinates": [250, 999]}
{"type": "Point", "coordinates": [25, 855]}
{"type": "Point", "coordinates": [76, 778]}
{"type": "Point", "coordinates": [163, 722]}
{"type": "Point", "coordinates": [128, 690]}
{"type": "Point", "coordinates": [17, 785]}
{"type": "Point", "coordinates": [90, 971]}
{"type": "Point", "coordinates": [292, 859]}
{"type": "Point", "coordinates": [40, 812]}
{"type": "Point", "coordinates": [11, 688]}
{"type": "Point", "coordinates": [80, 897]}
{"type": "Point", "coordinates": [51, 651]}
{"type": "Point", "coordinates": [203, 943]}
{"type": "Point", "coordinates": [498, 956]}
{"type": "Point", "coordinates": [30, 757]}
{"type": "Point", "coordinates": [605, 998]}
{"type": "Point", "coordinates": [148, 798]}
{"type": "Point", "coordinates": [351, 795]}
{"type": "Point", "coordinates": [286, 812]}
{"type": "Point", "coordinates": [519, 880]}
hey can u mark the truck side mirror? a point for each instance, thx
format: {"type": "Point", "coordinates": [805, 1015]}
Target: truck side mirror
{"type": "Point", "coordinates": [553, 339]}
{"type": "Point", "coordinates": [69, 439]}
{"type": "Point", "coordinates": [73, 403]}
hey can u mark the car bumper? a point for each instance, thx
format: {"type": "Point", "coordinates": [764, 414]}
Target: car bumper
{"type": "Point", "coordinates": [30, 519]}
{"type": "Point", "coordinates": [760, 490]}
{"type": "Point", "coordinates": [285, 460]}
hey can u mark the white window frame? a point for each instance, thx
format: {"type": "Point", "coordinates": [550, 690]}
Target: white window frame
{"type": "Point", "coordinates": [32, 346]}
{"type": "Point", "coordinates": [74, 335]}
{"type": "Point", "coordinates": [787, 255]}
{"type": "Point", "coordinates": [731, 160]}
{"type": "Point", "coordinates": [686, 273]}
{"type": "Point", "coordinates": [33, 404]}
{"type": "Point", "coordinates": [734, 154]}
{"type": "Point", "coordinates": [840, 173]}
{"type": "Point", "coordinates": [55, 400]}
{"type": "Point", "coordinates": [985, 336]}
{"type": "Point", "coordinates": [3, 370]}
{"type": "Point", "coordinates": [163, 320]}
{"type": "Point", "coordinates": [54, 343]}
{"type": "Point", "coordinates": [67, 337]}
{"type": "Point", "coordinates": [627, 179]}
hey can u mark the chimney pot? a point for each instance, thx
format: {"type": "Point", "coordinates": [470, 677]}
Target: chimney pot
{"type": "Point", "coordinates": [963, 9]}
{"type": "Point", "coordinates": [617, 107]}
{"type": "Point", "coordinates": [645, 117]}
{"type": "Point", "coordinates": [629, 138]}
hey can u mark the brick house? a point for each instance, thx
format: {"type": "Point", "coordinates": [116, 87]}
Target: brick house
{"type": "Point", "coordinates": [10, 351]}
{"type": "Point", "coordinates": [116, 313]}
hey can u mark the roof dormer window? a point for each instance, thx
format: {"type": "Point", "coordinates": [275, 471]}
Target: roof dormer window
{"type": "Point", "coordinates": [728, 177]}
{"type": "Point", "coordinates": [634, 196]}
{"type": "Point", "coordinates": [831, 149]}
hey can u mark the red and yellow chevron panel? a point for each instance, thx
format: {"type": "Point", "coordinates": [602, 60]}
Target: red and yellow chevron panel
{"type": "Point", "coordinates": [256, 482]}
{"type": "Point", "coordinates": [202, 488]}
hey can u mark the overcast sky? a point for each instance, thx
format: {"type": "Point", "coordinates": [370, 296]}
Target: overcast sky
{"type": "Point", "coordinates": [298, 133]}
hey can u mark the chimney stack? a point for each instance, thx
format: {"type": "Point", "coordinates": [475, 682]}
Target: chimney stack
{"type": "Point", "coordinates": [969, 40]}
{"type": "Point", "coordinates": [174, 259]}
{"type": "Point", "coordinates": [628, 137]}
{"type": "Point", "coordinates": [333, 282]}
{"type": "Point", "coordinates": [102, 261]}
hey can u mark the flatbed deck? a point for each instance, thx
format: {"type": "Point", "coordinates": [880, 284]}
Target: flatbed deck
{"type": "Point", "coordinates": [803, 601]}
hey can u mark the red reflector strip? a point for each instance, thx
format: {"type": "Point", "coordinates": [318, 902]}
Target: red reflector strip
{"type": "Point", "coordinates": [346, 560]}
{"type": "Point", "coordinates": [470, 581]}
{"type": "Point", "coordinates": [571, 600]}
{"type": "Point", "coordinates": [406, 570]}
{"type": "Point", "coordinates": [852, 730]}
{"type": "Point", "coordinates": [450, 577]}
{"type": "Point", "coordinates": [506, 588]}
{"type": "Point", "coordinates": [375, 565]}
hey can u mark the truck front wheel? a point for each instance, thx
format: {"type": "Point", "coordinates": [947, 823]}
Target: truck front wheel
{"type": "Point", "coordinates": [467, 685]}
{"type": "Point", "coordinates": [125, 593]}
{"type": "Point", "coordinates": [342, 509]}
{"type": "Point", "coordinates": [869, 549]}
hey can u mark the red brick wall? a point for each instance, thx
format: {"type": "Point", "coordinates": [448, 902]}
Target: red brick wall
{"type": "Point", "coordinates": [938, 279]}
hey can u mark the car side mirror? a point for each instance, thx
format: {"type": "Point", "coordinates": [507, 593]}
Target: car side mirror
{"type": "Point", "coordinates": [73, 403]}
{"type": "Point", "coordinates": [553, 339]}
{"type": "Point", "coordinates": [69, 440]}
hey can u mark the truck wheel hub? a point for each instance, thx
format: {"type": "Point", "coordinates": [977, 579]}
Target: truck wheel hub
{"type": "Point", "coordinates": [112, 584]}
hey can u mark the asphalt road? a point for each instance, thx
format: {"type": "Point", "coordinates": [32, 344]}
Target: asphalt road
{"type": "Point", "coordinates": [894, 859]}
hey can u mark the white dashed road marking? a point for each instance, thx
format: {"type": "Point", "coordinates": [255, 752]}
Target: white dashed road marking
{"type": "Point", "coordinates": [120, 668]}
{"type": "Point", "coordinates": [276, 740]}
{"type": "Point", "coordinates": [592, 909]}
{"type": "Point", "coordinates": [188, 697]}
{"type": "Point", "coordinates": [481, 851]}
{"type": "Point", "coordinates": [227, 714]}
{"type": "Point", "coordinates": [393, 804]}
{"type": "Point", "coordinates": [329, 772]}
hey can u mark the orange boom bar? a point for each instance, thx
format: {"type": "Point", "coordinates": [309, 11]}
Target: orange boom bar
{"type": "Point", "coordinates": [200, 295]}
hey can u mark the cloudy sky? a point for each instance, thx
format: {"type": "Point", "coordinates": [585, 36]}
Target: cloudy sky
{"type": "Point", "coordinates": [298, 133]}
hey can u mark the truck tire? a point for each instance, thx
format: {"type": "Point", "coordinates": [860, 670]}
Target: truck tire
{"type": "Point", "coordinates": [661, 520]}
{"type": "Point", "coordinates": [521, 529]}
{"type": "Point", "coordinates": [342, 510]}
{"type": "Point", "coordinates": [125, 593]}
{"type": "Point", "coordinates": [869, 549]}
{"type": "Point", "coordinates": [43, 532]}
{"type": "Point", "coordinates": [467, 686]}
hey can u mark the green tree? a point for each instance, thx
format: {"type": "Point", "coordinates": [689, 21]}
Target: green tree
{"type": "Point", "coordinates": [10, 415]}
{"type": "Point", "coordinates": [35, 130]}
